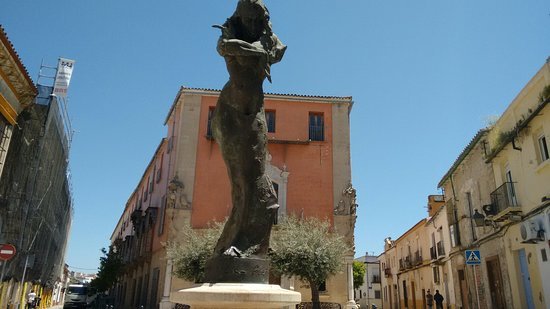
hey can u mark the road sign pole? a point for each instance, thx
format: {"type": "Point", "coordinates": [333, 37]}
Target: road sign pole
{"type": "Point", "coordinates": [475, 282]}
{"type": "Point", "coordinates": [23, 280]}
{"type": "Point", "coordinates": [2, 275]}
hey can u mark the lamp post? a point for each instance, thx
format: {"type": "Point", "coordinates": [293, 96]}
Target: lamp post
{"type": "Point", "coordinates": [478, 218]}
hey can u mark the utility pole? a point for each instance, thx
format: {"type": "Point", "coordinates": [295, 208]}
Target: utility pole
{"type": "Point", "coordinates": [368, 283]}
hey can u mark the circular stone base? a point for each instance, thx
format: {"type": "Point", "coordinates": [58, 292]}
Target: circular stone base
{"type": "Point", "coordinates": [236, 296]}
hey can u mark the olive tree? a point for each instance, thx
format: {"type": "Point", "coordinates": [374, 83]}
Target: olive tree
{"type": "Point", "coordinates": [359, 270]}
{"type": "Point", "coordinates": [189, 256]}
{"type": "Point", "coordinates": [308, 249]}
{"type": "Point", "coordinates": [110, 268]}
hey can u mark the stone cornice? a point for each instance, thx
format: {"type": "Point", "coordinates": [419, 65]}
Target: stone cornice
{"type": "Point", "coordinates": [276, 96]}
{"type": "Point", "coordinates": [14, 73]}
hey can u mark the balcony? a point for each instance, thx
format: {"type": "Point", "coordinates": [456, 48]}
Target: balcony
{"type": "Point", "coordinates": [504, 203]}
{"type": "Point", "coordinates": [440, 249]}
{"type": "Point", "coordinates": [387, 272]}
{"type": "Point", "coordinates": [376, 279]}
{"type": "Point", "coordinates": [417, 258]}
{"type": "Point", "coordinates": [408, 262]}
{"type": "Point", "coordinates": [401, 264]}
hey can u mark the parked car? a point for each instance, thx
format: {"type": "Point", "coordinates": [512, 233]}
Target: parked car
{"type": "Point", "coordinates": [79, 296]}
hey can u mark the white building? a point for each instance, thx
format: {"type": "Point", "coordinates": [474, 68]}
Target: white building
{"type": "Point", "coordinates": [369, 293]}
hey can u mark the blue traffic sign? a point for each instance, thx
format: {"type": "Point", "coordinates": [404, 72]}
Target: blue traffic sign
{"type": "Point", "coordinates": [473, 257]}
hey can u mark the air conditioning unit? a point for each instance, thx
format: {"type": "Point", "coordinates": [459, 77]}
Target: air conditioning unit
{"type": "Point", "coordinates": [546, 219]}
{"type": "Point", "coordinates": [532, 230]}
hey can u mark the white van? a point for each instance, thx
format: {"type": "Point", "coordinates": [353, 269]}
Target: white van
{"type": "Point", "coordinates": [78, 296]}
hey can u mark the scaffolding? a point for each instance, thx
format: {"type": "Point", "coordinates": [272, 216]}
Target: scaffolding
{"type": "Point", "coordinates": [36, 202]}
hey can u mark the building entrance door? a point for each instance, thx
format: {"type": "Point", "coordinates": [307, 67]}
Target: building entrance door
{"type": "Point", "coordinates": [413, 294]}
{"type": "Point", "coordinates": [395, 296]}
{"type": "Point", "coordinates": [495, 282]}
{"type": "Point", "coordinates": [526, 279]}
{"type": "Point", "coordinates": [405, 295]}
{"type": "Point", "coordinates": [463, 290]}
{"type": "Point", "coordinates": [423, 298]}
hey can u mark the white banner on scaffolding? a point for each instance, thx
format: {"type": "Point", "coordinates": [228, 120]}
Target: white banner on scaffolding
{"type": "Point", "coordinates": [63, 77]}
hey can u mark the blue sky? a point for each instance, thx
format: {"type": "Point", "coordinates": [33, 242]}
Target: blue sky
{"type": "Point", "coordinates": [424, 76]}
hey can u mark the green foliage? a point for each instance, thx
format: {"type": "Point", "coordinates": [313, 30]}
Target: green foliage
{"type": "Point", "coordinates": [110, 268]}
{"type": "Point", "coordinates": [544, 94]}
{"type": "Point", "coordinates": [307, 249]}
{"type": "Point", "coordinates": [189, 257]}
{"type": "Point", "coordinates": [359, 270]}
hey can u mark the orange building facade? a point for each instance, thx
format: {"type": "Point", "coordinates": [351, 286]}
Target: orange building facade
{"type": "Point", "coordinates": [186, 183]}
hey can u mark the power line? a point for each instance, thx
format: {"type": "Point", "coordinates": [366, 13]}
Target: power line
{"type": "Point", "coordinates": [83, 268]}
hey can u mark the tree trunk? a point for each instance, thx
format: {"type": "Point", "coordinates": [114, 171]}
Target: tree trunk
{"type": "Point", "coordinates": [315, 295]}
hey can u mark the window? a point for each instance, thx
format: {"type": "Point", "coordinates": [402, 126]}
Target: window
{"type": "Point", "coordinates": [170, 144]}
{"type": "Point", "coordinates": [154, 285]}
{"type": "Point", "coordinates": [5, 137]}
{"type": "Point", "coordinates": [377, 294]}
{"type": "Point", "coordinates": [435, 271]}
{"type": "Point", "coordinates": [543, 148]}
{"type": "Point", "coordinates": [159, 169]}
{"type": "Point", "coordinates": [316, 127]}
{"type": "Point", "coordinates": [77, 290]}
{"type": "Point", "coordinates": [323, 286]}
{"type": "Point", "coordinates": [405, 297]}
{"type": "Point", "coordinates": [270, 120]}
{"type": "Point", "coordinates": [151, 182]}
{"type": "Point", "coordinates": [470, 210]}
{"type": "Point", "coordinates": [209, 124]}
{"type": "Point", "coordinates": [454, 235]}
{"type": "Point", "coordinates": [512, 199]}
{"type": "Point", "coordinates": [162, 214]}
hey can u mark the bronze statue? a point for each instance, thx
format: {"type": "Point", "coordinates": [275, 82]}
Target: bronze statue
{"type": "Point", "coordinates": [249, 48]}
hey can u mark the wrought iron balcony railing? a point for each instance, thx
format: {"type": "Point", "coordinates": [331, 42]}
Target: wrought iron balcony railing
{"type": "Point", "coordinates": [503, 201]}
{"type": "Point", "coordinates": [417, 258]}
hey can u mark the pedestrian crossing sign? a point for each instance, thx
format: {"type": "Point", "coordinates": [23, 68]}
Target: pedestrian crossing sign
{"type": "Point", "coordinates": [473, 257]}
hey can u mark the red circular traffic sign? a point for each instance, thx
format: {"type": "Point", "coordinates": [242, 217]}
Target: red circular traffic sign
{"type": "Point", "coordinates": [7, 251]}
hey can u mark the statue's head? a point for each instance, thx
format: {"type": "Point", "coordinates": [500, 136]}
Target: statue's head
{"type": "Point", "coordinates": [251, 18]}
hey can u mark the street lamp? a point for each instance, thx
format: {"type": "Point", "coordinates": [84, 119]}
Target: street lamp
{"type": "Point", "coordinates": [479, 219]}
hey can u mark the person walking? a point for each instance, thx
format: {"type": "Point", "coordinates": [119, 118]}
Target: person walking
{"type": "Point", "coordinates": [438, 300]}
{"type": "Point", "coordinates": [31, 297]}
{"type": "Point", "coordinates": [429, 300]}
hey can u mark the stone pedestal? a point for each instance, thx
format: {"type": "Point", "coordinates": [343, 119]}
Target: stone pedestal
{"type": "Point", "coordinates": [236, 296]}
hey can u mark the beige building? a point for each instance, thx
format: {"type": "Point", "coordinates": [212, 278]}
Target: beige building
{"type": "Point", "coordinates": [517, 150]}
{"type": "Point", "coordinates": [468, 186]}
{"type": "Point", "coordinates": [419, 261]}
{"type": "Point", "coordinates": [370, 292]}
{"type": "Point", "coordinates": [489, 234]}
